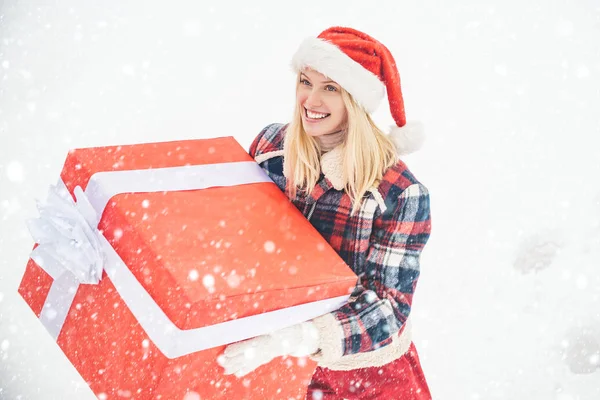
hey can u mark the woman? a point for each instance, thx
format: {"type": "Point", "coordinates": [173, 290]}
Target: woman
{"type": "Point", "coordinates": [344, 174]}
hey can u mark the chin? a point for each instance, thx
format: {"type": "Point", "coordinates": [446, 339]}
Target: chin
{"type": "Point", "coordinates": [312, 131]}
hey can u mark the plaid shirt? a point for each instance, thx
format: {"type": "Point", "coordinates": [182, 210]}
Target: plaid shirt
{"type": "Point", "coordinates": [381, 243]}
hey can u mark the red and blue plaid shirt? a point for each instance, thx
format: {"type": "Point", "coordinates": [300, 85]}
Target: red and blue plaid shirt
{"type": "Point", "coordinates": [382, 243]}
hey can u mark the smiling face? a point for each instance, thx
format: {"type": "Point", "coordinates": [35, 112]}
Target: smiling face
{"type": "Point", "coordinates": [321, 104]}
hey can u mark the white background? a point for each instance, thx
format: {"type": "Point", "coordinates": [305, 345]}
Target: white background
{"type": "Point", "coordinates": [507, 306]}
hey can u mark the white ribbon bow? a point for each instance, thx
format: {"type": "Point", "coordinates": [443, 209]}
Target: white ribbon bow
{"type": "Point", "coordinates": [67, 234]}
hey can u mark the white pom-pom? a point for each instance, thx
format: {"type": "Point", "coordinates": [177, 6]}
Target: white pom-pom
{"type": "Point", "coordinates": [408, 138]}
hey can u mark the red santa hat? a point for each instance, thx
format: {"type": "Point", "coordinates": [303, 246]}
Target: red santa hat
{"type": "Point", "coordinates": [366, 69]}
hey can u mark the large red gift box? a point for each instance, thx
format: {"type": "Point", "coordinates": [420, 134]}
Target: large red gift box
{"type": "Point", "coordinates": [184, 247]}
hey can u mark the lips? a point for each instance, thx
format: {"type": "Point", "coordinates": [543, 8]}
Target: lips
{"type": "Point", "coordinates": [314, 115]}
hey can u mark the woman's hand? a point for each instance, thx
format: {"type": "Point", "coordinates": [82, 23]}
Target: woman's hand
{"type": "Point", "coordinates": [244, 357]}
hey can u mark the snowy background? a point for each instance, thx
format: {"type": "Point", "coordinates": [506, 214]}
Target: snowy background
{"type": "Point", "coordinates": [508, 306]}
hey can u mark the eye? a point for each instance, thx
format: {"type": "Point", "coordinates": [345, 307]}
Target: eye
{"type": "Point", "coordinates": [304, 82]}
{"type": "Point", "coordinates": [331, 88]}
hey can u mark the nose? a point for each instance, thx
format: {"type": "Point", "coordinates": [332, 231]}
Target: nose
{"type": "Point", "coordinates": [313, 100]}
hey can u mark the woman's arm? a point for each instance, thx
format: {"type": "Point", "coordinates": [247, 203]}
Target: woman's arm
{"type": "Point", "coordinates": [381, 301]}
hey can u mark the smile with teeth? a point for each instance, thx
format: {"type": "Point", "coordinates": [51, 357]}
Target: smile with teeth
{"type": "Point", "coordinates": [315, 115]}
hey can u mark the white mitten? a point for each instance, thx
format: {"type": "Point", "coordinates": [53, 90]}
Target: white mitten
{"type": "Point", "coordinates": [244, 357]}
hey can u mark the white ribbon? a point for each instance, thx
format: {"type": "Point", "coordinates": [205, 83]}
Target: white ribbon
{"type": "Point", "coordinates": [72, 251]}
{"type": "Point", "coordinates": [67, 236]}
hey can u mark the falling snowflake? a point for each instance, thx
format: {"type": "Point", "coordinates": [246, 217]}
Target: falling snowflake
{"type": "Point", "coordinates": [564, 28]}
{"type": "Point", "coordinates": [269, 246]}
{"type": "Point", "coordinates": [191, 396]}
{"type": "Point", "coordinates": [501, 70]}
{"type": "Point", "coordinates": [194, 275]}
{"type": "Point", "coordinates": [14, 171]}
{"type": "Point", "coordinates": [208, 281]}
{"type": "Point", "coordinates": [128, 70]}
{"type": "Point", "coordinates": [234, 280]}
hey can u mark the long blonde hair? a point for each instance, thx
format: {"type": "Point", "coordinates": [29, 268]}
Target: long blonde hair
{"type": "Point", "coordinates": [368, 153]}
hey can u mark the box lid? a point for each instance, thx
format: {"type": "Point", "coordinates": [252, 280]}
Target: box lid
{"type": "Point", "coordinates": [211, 255]}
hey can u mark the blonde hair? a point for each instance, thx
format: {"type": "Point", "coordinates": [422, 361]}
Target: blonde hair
{"type": "Point", "coordinates": [368, 153]}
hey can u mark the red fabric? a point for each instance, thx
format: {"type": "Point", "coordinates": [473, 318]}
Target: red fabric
{"type": "Point", "coordinates": [401, 379]}
{"type": "Point", "coordinates": [373, 56]}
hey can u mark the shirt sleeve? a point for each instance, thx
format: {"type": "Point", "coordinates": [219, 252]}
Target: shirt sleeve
{"type": "Point", "coordinates": [255, 143]}
{"type": "Point", "coordinates": [381, 302]}
{"type": "Point", "coordinates": [267, 140]}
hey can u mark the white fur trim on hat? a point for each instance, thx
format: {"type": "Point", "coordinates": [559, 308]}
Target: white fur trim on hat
{"type": "Point", "coordinates": [328, 59]}
{"type": "Point", "coordinates": [408, 138]}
